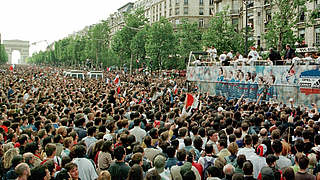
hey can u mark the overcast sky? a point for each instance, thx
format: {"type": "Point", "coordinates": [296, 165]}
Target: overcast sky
{"type": "Point", "coordinates": [51, 20]}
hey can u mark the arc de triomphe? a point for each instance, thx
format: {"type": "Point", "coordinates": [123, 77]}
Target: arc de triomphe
{"type": "Point", "coordinates": [19, 45]}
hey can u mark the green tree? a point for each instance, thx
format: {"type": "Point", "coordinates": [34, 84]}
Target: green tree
{"type": "Point", "coordinates": [223, 34]}
{"type": "Point", "coordinates": [99, 41]}
{"type": "Point", "coordinates": [160, 44]}
{"type": "Point", "coordinates": [122, 40]}
{"type": "Point", "coordinates": [138, 46]}
{"type": "Point", "coordinates": [3, 55]}
{"type": "Point", "coordinates": [188, 39]}
{"type": "Point", "coordinates": [286, 14]}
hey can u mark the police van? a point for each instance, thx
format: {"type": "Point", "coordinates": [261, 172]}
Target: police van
{"type": "Point", "coordinates": [75, 74]}
{"type": "Point", "coordinates": [95, 75]}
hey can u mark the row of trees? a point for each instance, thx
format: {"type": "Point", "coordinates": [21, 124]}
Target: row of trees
{"type": "Point", "coordinates": [3, 54]}
{"type": "Point", "coordinates": [160, 45]}
{"type": "Point", "coordinates": [138, 44]}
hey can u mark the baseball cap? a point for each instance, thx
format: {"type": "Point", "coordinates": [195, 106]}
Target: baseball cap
{"type": "Point", "coordinates": [220, 109]}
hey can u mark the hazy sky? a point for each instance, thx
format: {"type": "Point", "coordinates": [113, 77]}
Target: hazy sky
{"type": "Point", "coordinates": [39, 20]}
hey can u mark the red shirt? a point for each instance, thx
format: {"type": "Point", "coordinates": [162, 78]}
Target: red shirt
{"type": "Point", "coordinates": [198, 167]}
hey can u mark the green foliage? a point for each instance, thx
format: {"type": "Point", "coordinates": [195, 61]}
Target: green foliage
{"type": "Point", "coordinates": [284, 19]}
{"type": "Point", "coordinates": [160, 44]}
{"type": "Point", "coordinates": [188, 38]}
{"type": "Point", "coordinates": [122, 42]}
{"type": "Point", "coordinates": [3, 55]}
{"type": "Point", "coordinates": [223, 34]}
{"type": "Point", "coordinates": [74, 50]}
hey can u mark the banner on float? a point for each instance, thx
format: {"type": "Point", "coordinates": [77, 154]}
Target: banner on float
{"type": "Point", "coordinates": [277, 82]}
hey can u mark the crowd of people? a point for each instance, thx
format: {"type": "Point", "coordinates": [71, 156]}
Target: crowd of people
{"type": "Point", "coordinates": [53, 127]}
{"type": "Point", "coordinates": [273, 56]}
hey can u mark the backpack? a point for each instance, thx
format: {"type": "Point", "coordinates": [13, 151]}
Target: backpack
{"type": "Point", "coordinates": [205, 167]}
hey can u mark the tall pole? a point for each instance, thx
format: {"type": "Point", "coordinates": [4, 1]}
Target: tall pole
{"type": "Point", "coordinates": [246, 40]}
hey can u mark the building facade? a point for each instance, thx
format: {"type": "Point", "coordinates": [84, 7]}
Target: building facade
{"type": "Point", "coordinates": [259, 13]}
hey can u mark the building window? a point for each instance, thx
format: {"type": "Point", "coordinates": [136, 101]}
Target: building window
{"type": "Point", "coordinates": [170, 3]}
{"type": "Point", "coordinates": [235, 23]}
{"type": "Point", "coordinates": [177, 12]}
{"type": "Point", "coordinates": [170, 12]}
{"type": "Point", "coordinates": [317, 34]}
{"type": "Point", "coordinates": [200, 11]}
{"type": "Point", "coordinates": [211, 11]}
{"type": "Point", "coordinates": [301, 33]}
{"type": "Point", "coordinates": [211, 2]}
{"type": "Point", "coordinates": [250, 23]}
{"type": "Point", "coordinates": [185, 10]}
{"type": "Point", "coordinates": [201, 2]}
{"type": "Point", "coordinates": [185, 2]}
{"type": "Point", "coordinates": [201, 23]}
{"type": "Point", "coordinates": [317, 4]}
{"type": "Point", "coordinates": [250, 3]}
{"type": "Point", "coordinates": [235, 6]}
{"type": "Point", "coordinates": [177, 2]}
{"type": "Point", "coordinates": [177, 21]}
{"type": "Point", "coordinates": [301, 14]}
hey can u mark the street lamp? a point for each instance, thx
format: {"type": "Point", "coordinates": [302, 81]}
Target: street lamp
{"type": "Point", "coordinates": [135, 29]}
{"type": "Point", "coordinates": [246, 38]}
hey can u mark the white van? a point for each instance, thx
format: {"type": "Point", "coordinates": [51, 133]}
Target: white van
{"type": "Point", "coordinates": [75, 74]}
{"type": "Point", "coordinates": [95, 75]}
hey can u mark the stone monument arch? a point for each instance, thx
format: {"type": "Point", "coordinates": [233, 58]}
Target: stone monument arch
{"type": "Point", "coordinates": [19, 45]}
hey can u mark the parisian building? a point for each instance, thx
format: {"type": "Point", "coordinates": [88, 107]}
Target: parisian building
{"type": "Point", "coordinates": [259, 13]}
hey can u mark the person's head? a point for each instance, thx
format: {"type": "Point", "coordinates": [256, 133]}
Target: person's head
{"type": "Point", "coordinates": [238, 176]}
{"type": "Point", "coordinates": [22, 170]}
{"type": "Point", "coordinates": [171, 151]}
{"type": "Point", "coordinates": [72, 169]}
{"type": "Point", "coordinates": [104, 175]}
{"type": "Point", "coordinates": [137, 158]}
{"type": "Point", "coordinates": [40, 172]}
{"type": "Point", "coordinates": [208, 149]}
{"type": "Point", "coordinates": [222, 144]}
{"type": "Point", "coordinates": [214, 172]}
{"type": "Point", "coordinates": [107, 146]}
{"type": "Point", "coordinates": [28, 158]}
{"type": "Point", "coordinates": [189, 175]}
{"type": "Point", "coordinates": [271, 160]}
{"type": "Point", "coordinates": [247, 168]}
{"type": "Point", "coordinates": [159, 163]}
{"type": "Point", "coordinates": [135, 172]}
{"type": "Point", "coordinates": [187, 141]}
{"type": "Point", "coordinates": [119, 153]}
{"type": "Point", "coordinates": [92, 131]}
{"type": "Point", "coordinates": [303, 162]}
{"type": "Point", "coordinates": [228, 170]}
{"type": "Point", "coordinates": [68, 142]}
{"type": "Point", "coordinates": [181, 155]}
{"type": "Point", "coordinates": [277, 146]}
{"type": "Point", "coordinates": [240, 160]}
{"type": "Point", "coordinates": [247, 140]}
{"type": "Point", "coordinates": [50, 149]}
{"type": "Point", "coordinates": [78, 151]}
{"type": "Point", "coordinates": [233, 148]}
{"type": "Point", "coordinates": [8, 156]}
{"type": "Point", "coordinates": [153, 175]}
{"type": "Point", "coordinates": [288, 174]}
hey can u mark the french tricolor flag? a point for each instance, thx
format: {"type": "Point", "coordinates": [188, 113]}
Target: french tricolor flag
{"type": "Point", "coordinates": [175, 89]}
{"type": "Point", "coordinates": [117, 80]}
{"type": "Point", "coordinates": [191, 101]}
